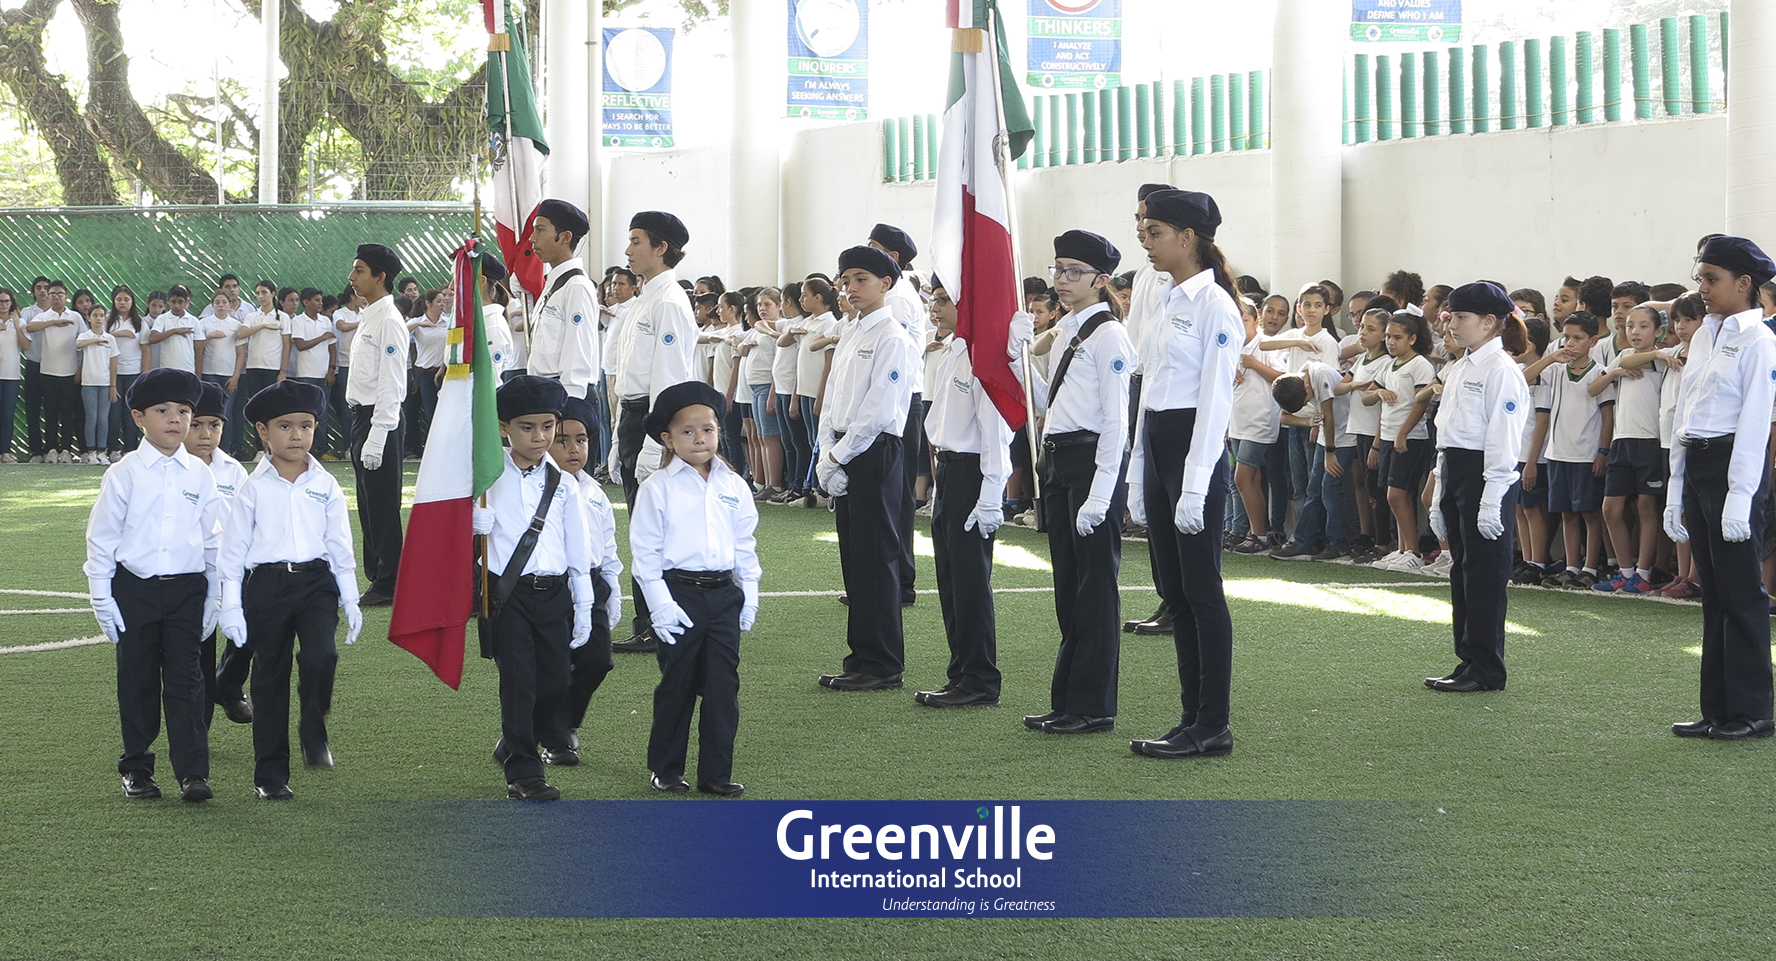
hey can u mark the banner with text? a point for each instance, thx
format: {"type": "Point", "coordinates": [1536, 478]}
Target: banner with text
{"type": "Point", "coordinates": [1418, 21]}
{"type": "Point", "coordinates": [828, 59]}
{"type": "Point", "coordinates": [1075, 44]}
{"type": "Point", "coordinates": [637, 87]}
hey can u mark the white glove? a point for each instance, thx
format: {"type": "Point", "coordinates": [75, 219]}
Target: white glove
{"type": "Point", "coordinates": [1188, 518]}
{"type": "Point", "coordinates": [1674, 525]}
{"type": "Point", "coordinates": [1138, 504]}
{"type": "Point", "coordinates": [109, 617]}
{"type": "Point", "coordinates": [1023, 330]}
{"type": "Point", "coordinates": [371, 454]}
{"type": "Point", "coordinates": [1490, 523]}
{"type": "Point", "coordinates": [613, 607]}
{"type": "Point", "coordinates": [748, 616]}
{"type": "Point", "coordinates": [614, 466]}
{"type": "Point", "coordinates": [1091, 514]}
{"type": "Point", "coordinates": [482, 519]}
{"type": "Point", "coordinates": [838, 482]}
{"type": "Point", "coordinates": [1734, 531]}
{"type": "Point", "coordinates": [669, 621]}
{"type": "Point", "coordinates": [212, 611]}
{"type": "Point", "coordinates": [354, 622]}
{"type": "Point", "coordinates": [234, 626]}
{"type": "Point", "coordinates": [985, 518]}
{"type": "Point", "coordinates": [582, 629]}
{"type": "Point", "coordinates": [1439, 523]}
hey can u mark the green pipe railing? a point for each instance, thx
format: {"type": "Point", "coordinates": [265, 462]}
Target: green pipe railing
{"type": "Point", "coordinates": [1073, 145]}
{"type": "Point", "coordinates": [1533, 97]}
{"type": "Point", "coordinates": [1640, 62]}
{"type": "Point", "coordinates": [1384, 97]}
{"type": "Point", "coordinates": [1143, 121]}
{"type": "Point", "coordinates": [1361, 107]}
{"type": "Point", "coordinates": [1409, 124]}
{"type": "Point", "coordinates": [1236, 112]}
{"type": "Point", "coordinates": [1038, 143]}
{"type": "Point", "coordinates": [919, 170]}
{"type": "Point", "coordinates": [1612, 74]}
{"type": "Point", "coordinates": [1559, 112]}
{"type": "Point", "coordinates": [1255, 137]}
{"type": "Point", "coordinates": [1585, 70]}
{"type": "Point", "coordinates": [1180, 117]}
{"type": "Point", "coordinates": [1699, 64]}
{"type": "Point", "coordinates": [1106, 125]}
{"type": "Point", "coordinates": [1199, 128]}
{"type": "Point", "coordinates": [1088, 120]}
{"type": "Point", "coordinates": [1433, 96]}
{"type": "Point", "coordinates": [1458, 99]}
{"type": "Point", "coordinates": [1508, 116]}
{"type": "Point", "coordinates": [1125, 134]}
{"type": "Point", "coordinates": [1670, 64]}
{"type": "Point", "coordinates": [1218, 113]}
{"type": "Point", "coordinates": [1482, 108]}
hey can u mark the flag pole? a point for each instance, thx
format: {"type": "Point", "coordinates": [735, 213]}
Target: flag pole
{"type": "Point", "coordinates": [1002, 157]}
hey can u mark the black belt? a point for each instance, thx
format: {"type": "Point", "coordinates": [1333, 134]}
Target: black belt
{"type": "Point", "coordinates": [838, 435]}
{"type": "Point", "coordinates": [636, 406]}
{"type": "Point", "coordinates": [542, 582]}
{"type": "Point", "coordinates": [294, 567]}
{"type": "Point", "coordinates": [701, 580]}
{"type": "Point", "coordinates": [1072, 438]}
{"type": "Point", "coordinates": [955, 455]}
{"type": "Point", "coordinates": [156, 577]}
{"type": "Point", "coordinates": [358, 407]}
{"type": "Point", "coordinates": [1704, 443]}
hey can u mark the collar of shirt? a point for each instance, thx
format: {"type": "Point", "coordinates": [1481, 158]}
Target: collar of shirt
{"type": "Point", "coordinates": [1480, 353]}
{"type": "Point", "coordinates": [679, 465]}
{"type": "Point", "coordinates": [870, 320]}
{"type": "Point", "coordinates": [665, 278]}
{"type": "Point", "coordinates": [571, 263]}
{"type": "Point", "coordinates": [179, 458]}
{"type": "Point", "coordinates": [266, 465]}
{"type": "Point", "coordinates": [1728, 324]}
{"type": "Point", "coordinates": [1076, 319]}
{"type": "Point", "coordinates": [1196, 283]}
{"type": "Point", "coordinates": [384, 306]}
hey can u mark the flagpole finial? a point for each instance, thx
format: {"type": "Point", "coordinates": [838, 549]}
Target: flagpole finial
{"type": "Point", "coordinates": [968, 40]}
{"type": "Point", "coordinates": [499, 43]}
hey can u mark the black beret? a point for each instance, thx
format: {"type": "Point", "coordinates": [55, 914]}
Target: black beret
{"type": "Point", "coordinates": [286, 397]}
{"type": "Point", "coordinates": [1480, 297]}
{"type": "Point", "coordinates": [1185, 209]}
{"type": "Point", "coordinates": [662, 225]}
{"type": "Point", "coordinates": [1089, 247]}
{"type": "Point", "coordinates": [897, 240]}
{"type": "Point", "coordinates": [213, 402]}
{"type": "Point", "coordinates": [676, 398]}
{"type": "Point", "coordinates": [380, 258]}
{"type": "Point", "coordinates": [870, 259]}
{"type": "Point", "coordinates": [164, 384]}
{"type": "Point", "coordinates": [937, 283]}
{"type": "Point", "coordinates": [578, 408]}
{"type": "Point", "coordinates": [530, 394]}
{"type": "Point", "coordinates": [1148, 190]}
{"type": "Point", "coordinates": [1740, 256]}
{"type": "Point", "coordinates": [493, 268]}
{"type": "Point", "coordinates": [565, 216]}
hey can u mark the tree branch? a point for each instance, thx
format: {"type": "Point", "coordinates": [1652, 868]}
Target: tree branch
{"type": "Point", "coordinates": [82, 170]}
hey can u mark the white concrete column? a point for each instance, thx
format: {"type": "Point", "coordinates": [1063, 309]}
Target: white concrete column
{"type": "Point", "coordinates": [271, 19]}
{"type": "Point", "coordinates": [1751, 122]}
{"type": "Point", "coordinates": [567, 112]}
{"type": "Point", "coordinates": [757, 29]}
{"type": "Point", "coordinates": [593, 251]}
{"type": "Point", "coordinates": [1306, 154]}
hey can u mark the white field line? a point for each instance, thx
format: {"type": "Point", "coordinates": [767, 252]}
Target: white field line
{"type": "Point", "coordinates": [54, 645]}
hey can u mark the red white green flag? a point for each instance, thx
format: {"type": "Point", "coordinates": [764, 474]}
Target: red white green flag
{"type": "Point", "coordinates": [516, 132]}
{"type": "Point", "coordinates": [434, 590]}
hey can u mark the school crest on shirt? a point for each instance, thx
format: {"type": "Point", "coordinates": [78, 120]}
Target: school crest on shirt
{"type": "Point", "coordinates": [578, 319]}
{"type": "Point", "coordinates": [1183, 323]}
{"type": "Point", "coordinates": [190, 496]}
{"type": "Point", "coordinates": [1117, 365]}
{"type": "Point", "coordinates": [730, 500]}
{"type": "Point", "coordinates": [966, 387]}
{"type": "Point", "coordinates": [319, 497]}
{"type": "Point", "coordinates": [1511, 405]}
{"type": "Point", "coordinates": [894, 376]}
{"type": "Point", "coordinates": [1730, 351]}
{"type": "Point", "coordinates": [391, 350]}
{"type": "Point", "coordinates": [669, 338]}
{"type": "Point", "coordinates": [1221, 339]}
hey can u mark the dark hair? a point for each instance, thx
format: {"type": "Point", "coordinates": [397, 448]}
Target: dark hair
{"type": "Point", "coordinates": [282, 293]}
{"type": "Point", "coordinates": [737, 300]}
{"type": "Point", "coordinates": [113, 319]}
{"type": "Point", "coordinates": [713, 282]}
{"type": "Point", "coordinates": [39, 279]}
{"type": "Point", "coordinates": [825, 291]}
{"type": "Point", "coordinates": [1668, 292]}
{"type": "Point", "coordinates": [407, 280]}
{"type": "Point", "coordinates": [1289, 391]}
{"type": "Point", "coordinates": [1410, 286]}
{"type": "Point", "coordinates": [1124, 281]}
{"type": "Point", "coordinates": [1383, 302]}
{"type": "Point", "coordinates": [1249, 285]}
{"type": "Point", "coordinates": [1337, 293]}
{"type": "Point", "coordinates": [1325, 297]}
{"type": "Point", "coordinates": [1537, 303]}
{"type": "Point", "coordinates": [225, 278]}
{"type": "Point", "coordinates": [1594, 295]}
{"type": "Point", "coordinates": [674, 254]}
{"type": "Point", "coordinates": [817, 275]}
{"type": "Point", "coordinates": [1441, 292]}
{"type": "Point", "coordinates": [1769, 287]}
{"type": "Point", "coordinates": [308, 292]}
{"type": "Point", "coordinates": [1689, 307]}
{"type": "Point", "coordinates": [1540, 334]}
{"type": "Point", "coordinates": [1657, 314]}
{"type": "Point", "coordinates": [630, 275]}
{"type": "Point", "coordinates": [14, 297]}
{"type": "Point", "coordinates": [707, 301]}
{"type": "Point", "coordinates": [1631, 288]}
{"type": "Point", "coordinates": [792, 294]}
{"type": "Point", "coordinates": [1366, 294]}
{"type": "Point", "coordinates": [686, 285]}
{"type": "Point", "coordinates": [1513, 334]}
{"type": "Point", "coordinates": [1415, 327]}
{"type": "Point", "coordinates": [404, 305]}
{"type": "Point", "coordinates": [154, 295]}
{"type": "Point", "coordinates": [176, 290]}
{"type": "Point", "coordinates": [329, 303]}
{"type": "Point", "coordinates": [1034, 286]}
{"type": "Point", "coordinates": [82, 292]}
{"type": "Point", "coordinates": [430, 296]}
{"type": "Point", "coordinates": [1584, 320]}
{"type": "Point", "coordinates": [771, 294]}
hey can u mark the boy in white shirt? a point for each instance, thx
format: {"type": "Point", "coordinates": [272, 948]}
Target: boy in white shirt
{"type": "Point", "coordinates": [312, 336]}
{"type": "Point", "coordinates": [223, 356]}
{"type": "Point", "coordinates": [221, 686]}
{"type": "Point", "coordinates": [176, 332]}
{"type": "Point", "coordinates": [1580, 427]}
{"type": "Point", "coordinates": [1324, 521]}
{"type": "Point", "coordinates": [1637, 463]}
{"type": "Point", "coordinates": [56, 329]}
{"type": "Point", "coordinates": [1255, 425]}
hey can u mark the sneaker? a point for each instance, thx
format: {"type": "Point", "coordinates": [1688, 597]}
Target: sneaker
{"type": "Point", "coordinates": [1331, 553]}
{"type": "Point", "coordinates": [923, 510]}
{"type": "Point", "coordinates": [1254, 545]}
{"type": "Point", "coordinates": [1613, 584]}
{"type": "Point", "coordinates": [8, 459]}
{"type": "Point", "coordinates": [1528, 572]}
{"type": "Point", "coordinates": [1385, 561]}
{"type": "Point", "coordinates": [1568, 580]}
{"type": "Point", "coordinates": [1026, 519]}
{"type": "Point", "coordinates": [1442, 566]}
{"type": "Point", "coordinates": [94, 458]}
{"type": "Point", "coordinates": [1231, 540]}
{"type": "Point", "coordinates": [1636, 585]}
{"type": "Point", "coordinates": [786, 497]}
{"type": "Point", "coordinates": [766, 493]}
{"type": "Point", "coordinates": [1293, 552]}
{"type": "Point", "coordinates": [37, 458]}
{"type": "Point", "coordinates": [1682, 589]}
{"type": "Point", "coordinates": [1401, 562]}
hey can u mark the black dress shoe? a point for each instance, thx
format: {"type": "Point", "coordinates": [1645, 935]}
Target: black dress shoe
{"type": "Point", "coordinates": [958, 696]}
{"type": "Point", "coordinates": [1159, 616]}
{"type": "Point", "coordinates": [1432, 682]}
{"type": "Point", "coordinates": [234, 704]}
{"type": "Point", "coordinates": [908, 600]}
{"type": "Point", "coordinates": [1035, 721]}
{"type": "Point", "coordinates": [533, 789]}
{"type": "Point", "coordinates": [826, 680]}
{"type": "Point", "coordinates": [1161, 625]}
{"type": "Point", "coordinates": [642, 643]}
{"type": "Point", "coordinates": [723, 788]}
{"type": "Point", "coordinates": [1459, 685]}
{"type": "Point", "coordinates": [140, 786]}
{"type": "Point", "coordinates": [674, 786]}
{"type": "Point", "coordinates": [1694, 728]}
{"type": "Point", "coordinates": [560, 756]}
{"type": "Point", "coordinates": [1190, 743]}
{"type": "Point", "coordinates": [1740, 729]}
{"type": "Point", "coordinates": [275, 792]}
{"type": "Point", "coordinates": [1168, 737]}
{"type": "Point", "coordinates": [320, 758]}
{"type": "Point", "coordinates": [501, 753]}
{"type": "Point", "coordinates": [195, 789]}
{"type": "Point", "coordinates": [375, 598]}
{"type": "Point", "coordinates": [947, 688]}
{"type": "Point", "coordinates": [1078, 724]}
{"type": "Point", "coordinates": [866, 682]}
{"type": "Point", "coordinates": [845, 599]}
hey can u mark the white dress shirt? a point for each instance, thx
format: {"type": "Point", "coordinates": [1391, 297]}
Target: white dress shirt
{"type": "Point", "coordinates": [871, 386]}
{"type": "Point", "coordinates": [221, 349]}
{"type": "Point", "coordinates": [58, 357]}
{"type": "Point", "coordinates": [180, 350]}
{"type": "Point", "coordinates": [1145, 311]}
{"type": "Point", "coordinates": [1669, 389]}
{"type": "Point", "coordinates": [601, 531]}
{"type": "Point", "coordinates": [783, 361]}
{"type": "Point", "coordinates": [499, 336]}
{"type": "Point", "coordinates": [1094, 397]}
{"type": "Point", "coordinates": [727, 361]}
{"type": "Point", "coordinates": [613, 335]}
{"type": "Point", "coordinates": [685, 522]}
{"type": "Point", "coordinates": [563, 547]}
{"type": "Point", "coordinates": [908, 309]}
{"type": "Point", "coordinates": [157, 515]}
{"type": "Point", "coordinates": [1486, 407]}
{"type": "Point", "coordinates": [230, 478]}
{"type": "Point", "coordinates": [341, 317]}
{"type": "Point", "coordinates": [1196, 347]}
{"type": "Point", "coordinates": [265, 348]}
{"type": "Point", "coordinates": [1728, 385]}
{"type": "Point", "coordinates": [379, 364]}
{"type": "Point", "coordinates": [10, 352]}
{"type": "Point", "coordinates": [95, 358]}
{"type": "Point", "coordinates": [964, 419]}
{"type": "Point", "coordinates": [312, 362]}
{"type": "Point", "coordinates": [659, 340]}
{"type": "Point", "coordinates": [274, 521]}
{"type": "Point", "coordinates": [34, 353]}
{"type": "Point", "coordinates": [129, 349]}
{"type": "Point", "coordinates": [564, 343]}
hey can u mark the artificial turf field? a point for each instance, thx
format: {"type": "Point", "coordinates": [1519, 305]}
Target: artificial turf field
{"type": "Point", "coordinates": [1557, 819]}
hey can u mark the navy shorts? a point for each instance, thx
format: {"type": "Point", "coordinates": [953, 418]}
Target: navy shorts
{"type": "Point", "coordinates": [1407, 470]}
{"type": "Point", "coordinates": [1534, 498]}
{"type": "Point", "coordinates": [1638, 467]}
{"type": "Point", "coordinates": [1573, 489]}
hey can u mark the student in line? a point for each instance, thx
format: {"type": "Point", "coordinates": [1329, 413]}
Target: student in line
{"type": "Point", "coordinates": [1580, 427]}
{"type": "Point", "coordinates": [1403, 449]}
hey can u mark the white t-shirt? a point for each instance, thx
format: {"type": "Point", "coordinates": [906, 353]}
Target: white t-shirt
{"type": "Point", "coordinates": [1324, 377]}
{"type": "Point", "coordinates": [429, 342]}
{"type": "Point", "coordinates": [221, 348]}
{"type": "Point", "coordinates": [265, 348]}
{"type": "Point", "coordinates": [1637, 402]}
{"type": "Point", "coordinates": [811, 364]}
{"type": "Point", "coordinates": [344, 315]}
{"type": "Point", "coordinates": [1256, 416]}
{"type": "Point", "coordinates": [758, 362]}
{"type": "Point", "coordinates": [1404, 380]}
{"type": "Point", "coordinates": [95, 360]}
{"type": "Point", "coordinates": [1575, 418]}
{"type": "Point", "coordinates": [1364, 420]}
{"type": "Point", "coordinates": [1299, 357]}
{"type": "Point", "coordinates": [59, 358]}
{"type": "Point", "coordinates": [725, 358]}
{"type": "Point", "coordinates": [783, 363]}
{"type": "Point", "coordinates": [1538, 401]}
{"type": "Point", "coordinates": [1345, 342]}
{"type": "Point", "coordinates": [180, 350]}
{"type": "Point", "coordinates": [1669, 388]}
{"type": "Point", "coordinates": [312, 362]}
{"type": "Point", "coordinates": [11, 355]}
{"type": "Point", "coordinates": [129, 346]}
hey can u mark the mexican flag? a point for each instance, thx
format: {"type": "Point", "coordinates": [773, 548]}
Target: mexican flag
{"type": "Point", "coordinates": [516, 132]}
{"type": "Point", "coordinates": [971, 232]}
{"type": "Point", "coordinates": [463, 457]}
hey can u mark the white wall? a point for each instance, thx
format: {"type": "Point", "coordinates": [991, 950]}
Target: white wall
{"type": "Point", "coordinates": [690, 183]}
